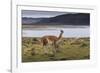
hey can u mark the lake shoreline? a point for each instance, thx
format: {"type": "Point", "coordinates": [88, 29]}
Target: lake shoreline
{"type": "Point", "coordinates": [41, 27]}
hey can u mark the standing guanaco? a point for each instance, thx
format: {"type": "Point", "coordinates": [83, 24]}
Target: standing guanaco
{"type": "Point", "coordinates": [50, 39]}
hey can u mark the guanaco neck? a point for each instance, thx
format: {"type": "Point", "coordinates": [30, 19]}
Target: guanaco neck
{"type": "Point", "coordinates": [60, 36]}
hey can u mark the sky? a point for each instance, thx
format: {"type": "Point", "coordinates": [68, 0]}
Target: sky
{"type": "Point", "coordinates": [41, 14]}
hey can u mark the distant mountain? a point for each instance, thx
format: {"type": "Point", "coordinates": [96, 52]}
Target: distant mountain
{"type": "Point", "coordinates": [27, 20]}
{"type": "Point", "coordinates": [69, 19]}
{"type": "Point", "coordinates": [65, 19]}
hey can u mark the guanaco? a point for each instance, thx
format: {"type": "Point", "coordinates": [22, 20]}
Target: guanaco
{"type": "Point", "coordinates": [50, 39]}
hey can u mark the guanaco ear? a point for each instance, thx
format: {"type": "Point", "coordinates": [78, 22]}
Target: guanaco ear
{"type": "Point", "coordinates": [62, 31]}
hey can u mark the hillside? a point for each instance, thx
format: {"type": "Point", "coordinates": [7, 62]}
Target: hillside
{"type": "Point", "coordinates": [65, 19]}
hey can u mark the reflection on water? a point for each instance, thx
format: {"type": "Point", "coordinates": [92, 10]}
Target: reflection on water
{"type": "Point", "coordinates": [68, 32]}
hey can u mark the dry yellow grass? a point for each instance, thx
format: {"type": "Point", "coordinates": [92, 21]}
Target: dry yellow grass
{"type": "Point", "coordinates": [69, 49]}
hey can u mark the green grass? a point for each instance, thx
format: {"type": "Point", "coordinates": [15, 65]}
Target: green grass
{"type": "Point", "coordinates": [68, 49]}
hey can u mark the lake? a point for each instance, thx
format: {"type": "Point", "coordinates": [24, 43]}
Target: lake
{"type": "Point", "coordinates": [68, 32]}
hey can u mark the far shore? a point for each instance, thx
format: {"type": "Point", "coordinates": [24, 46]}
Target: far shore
{"type": "Point", "coordinates": [31, 27]}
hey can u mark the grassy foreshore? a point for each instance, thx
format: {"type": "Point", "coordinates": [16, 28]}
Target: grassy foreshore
{"type": "Point", "coordinates": [69, 49]}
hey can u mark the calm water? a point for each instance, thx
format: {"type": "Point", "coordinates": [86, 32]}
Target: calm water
{"type": "Point", "coordinates": [68, 32]}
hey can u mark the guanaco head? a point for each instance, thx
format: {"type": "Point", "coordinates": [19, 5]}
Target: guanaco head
{"type": "Point", "coordinates": [61, 31]}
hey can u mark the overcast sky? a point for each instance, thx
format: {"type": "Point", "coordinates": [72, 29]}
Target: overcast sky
{"type": "Point", "coordinates": [40, 14]}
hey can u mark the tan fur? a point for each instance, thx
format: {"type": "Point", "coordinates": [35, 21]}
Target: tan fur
{"type": "Point", "coordinates": [50, 39]}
